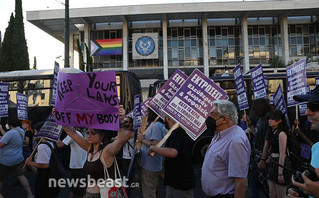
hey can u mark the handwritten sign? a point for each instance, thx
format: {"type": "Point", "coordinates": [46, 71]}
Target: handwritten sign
{"type": "Point", "coordinates": [54, 82]}
{"type": "Point", "coordinates": [279, 102]}
{"type": "Point", "coordinates": [296, 81]}
{"type": "Point", "coordinates": [193, 102]}
{"type": "Point", "coordinates": [50, 129]}
{"type": "Point", "coordinates": [166, 92]}
{"type": "Point", "coordinates": [87, 100]}
{"type": "Point", "coordinates": [4, 99]}
{"type": "Point", "coordinates": [22, 106]}
{"type": "Point", "coordinates": [137, 115]}
{"type": "Point", "coordinates": [240, 88]}
{"type": "Point", "coordinates": [258, 79]}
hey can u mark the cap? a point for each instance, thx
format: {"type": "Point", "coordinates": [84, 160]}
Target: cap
{"type": "Point", "coordinates": [313, 96]}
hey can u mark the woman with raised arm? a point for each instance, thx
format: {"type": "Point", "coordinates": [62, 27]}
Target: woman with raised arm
{"type": "Point", "coordinates": [99, 151]}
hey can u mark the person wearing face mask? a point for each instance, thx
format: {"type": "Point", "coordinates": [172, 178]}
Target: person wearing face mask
{"type": "Point", "coordinates": [226, 163]}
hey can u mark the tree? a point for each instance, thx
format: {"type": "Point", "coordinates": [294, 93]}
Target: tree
{"type": "Point", "coordinates": [35, 64]}
{"type": "Point", "coordinates": [81, 62]}
{"type": "Point", "coordinates": [276, 62]}
{"type": "Point", "coordinates": [20, 48]}
{"type": "Point", "coordinates": [6, 49]}
{"type": "Point", "coordinates": [89, 60]}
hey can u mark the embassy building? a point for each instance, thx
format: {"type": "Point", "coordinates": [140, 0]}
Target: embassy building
{"type": "Point", "coordinates": [154, 40]}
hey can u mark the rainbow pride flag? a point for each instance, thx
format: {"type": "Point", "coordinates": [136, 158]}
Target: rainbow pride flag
{"type": "Point", "coordinates": [106, 47]}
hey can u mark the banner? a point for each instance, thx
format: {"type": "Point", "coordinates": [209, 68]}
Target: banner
{"type": "Point", "coordinates": [165, 93]}
{"type": "Point", "coordinates": [87, 100]}
{"type": "Point", "coordinates": [279, 103]}
{"type": "Point", "coordinates": [50, 130]}
{"type": "Point", "coordinates": [54, 82]}
{"type": "Point", "coordinates": [106, 47]}
{"type": "Point", "coordinates": [22, 106]}
{"type": "Point", "coordinates": [193, 102]}
{"type": "Point", "coordinates": [258, 79]}
{"type": "Point", "coordinates": [296, 81]}
{"type": "Point", "coordinates": [137, 114]}
{"type": "Point", "coordinates": [145, 45]}
{"type": "Point", "coordinates": [240, 88]}
{"type": "Point", "coordinates": [4, 99]}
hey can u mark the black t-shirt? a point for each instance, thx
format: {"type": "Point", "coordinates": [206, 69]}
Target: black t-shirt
{"type": "Point", "coordinates": [262, 133]}
{"type": "Point", "coordinates": [29, 134]}
{"type": "Point", "coordinates": [179, 172]}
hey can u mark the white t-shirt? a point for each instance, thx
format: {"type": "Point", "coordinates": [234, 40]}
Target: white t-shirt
{"type": "Point", "coordinates": [78, 154]}
{"type": "Point", "coordinates": [43, 154]}
{"type": "Point", "coordinates": [128, 151]}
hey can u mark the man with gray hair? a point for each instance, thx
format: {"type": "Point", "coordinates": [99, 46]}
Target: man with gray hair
{"type": "Point", "coordinates": [226, 163]}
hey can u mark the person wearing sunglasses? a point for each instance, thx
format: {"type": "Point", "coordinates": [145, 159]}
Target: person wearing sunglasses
{"type": "Point", "coordinates": [310, 187]}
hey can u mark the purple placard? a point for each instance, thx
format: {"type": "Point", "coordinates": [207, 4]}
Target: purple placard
{"type": "Point", "coordinates": [137, 114]}
{"type": "Point", "coordinates": [144, 107]}
{"type": "Point", "coordinates": [165, 93]}
{"type": "Point", "coordinates": [240, 88]}
{"type": "Point", "coordinates": [317, 80]}
{"type": "Point", "coordinates": [279, 102]}
{"type": "Point", "coordinates": [305, 151]}
{"type": "Point", "coordinates": [271, 99]}
{"type": "Point", "coordinates": [303, 106]}
{"type": "Point", "coordinates": [193, 102]}
{"type": "Point", "coordinates": [296, 81]}
{"type": "Point", "coordinates": [87, 100]}
{"type": "Point", "coordinates": [22, 106]}
{"type": "Point", "coordinates": [4, 99]}
{"type": "Point", "coordinates": [54, 82]}
{"type": "Point", "coordinates": [50, 129]}
{"type": "Point", "coordinates": [258, 79]}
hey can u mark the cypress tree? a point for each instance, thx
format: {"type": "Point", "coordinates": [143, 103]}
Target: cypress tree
{"type": "Point", "coordinates": [81, 62]}
{"type": "Point", "coordinates": [89, 61]}
{"type": "Point", "coordinates": [20, 48]}
{"type": "Point", "coordinates": [35, 63]}
{"type": "Point", "coordinates": [6, 49]}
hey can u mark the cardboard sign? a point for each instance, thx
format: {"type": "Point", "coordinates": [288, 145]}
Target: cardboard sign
{"type": "Point", "coordinates": [87, 100]}
{"type": "Point", "coordinates": [279, 103]}
{"type": "Point", "coordinates": [296, 81]}
{"type": "Point", "coordinates": [4, 99]}
{"type": "Point", "coordinates": [165, 93]}
{"type": "Point", "coordinates": [22, 106]}
{"type": "Point", "coordinates": [137, 114]}
{"type": "Point", "coordinates": [258, 79]}
{"type": "Point", "coordinates": [240, 88]}
{"type": "Point", "coordinates": [50, 129]}
{"type": "Point", "coordinates": [193, 102]}
{"type": "Point", "coordinates": [54, 82]}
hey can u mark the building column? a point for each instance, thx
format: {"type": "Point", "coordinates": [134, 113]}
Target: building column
{"type": "Point", "coordinates": [244, 33]}
{"type": "Point", "coordinates": [71, 51]}
{"type": "Point", "coordinates": [125, 46]}
{"type": "Point", "coordinates": [205, 47]}
{"type": "Point", "coordinates": [165, 54]}
{"type": "Point", "coordinates": [284, 39]}
{"type": "Point", "coordinates": [87, 31]}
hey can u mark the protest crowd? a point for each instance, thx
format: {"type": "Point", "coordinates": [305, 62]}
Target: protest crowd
{"type": "Point", "coordinates": [260, 150]}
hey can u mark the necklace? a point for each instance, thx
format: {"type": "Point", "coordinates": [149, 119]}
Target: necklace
{"type": "Point", "coordinates": [92, 155]}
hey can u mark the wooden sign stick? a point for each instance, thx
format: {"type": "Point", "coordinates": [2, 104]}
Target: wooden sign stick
{"type": "Point", "coordinates": [297, 125]}
{"type": "Point", "coordinates": [160, 143]}
{"type": "Point", "coordinates": [247, 123]}
{"type": "Point", "coordinates": [35, 148]}
{"type": "Point", "coordinates": [142, 129]}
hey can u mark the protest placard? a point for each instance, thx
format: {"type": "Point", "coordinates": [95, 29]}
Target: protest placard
{"type": "Point", "coordinates": [193, 102]}
{"type": "Point", "coordinates": [4, 99]}
{"type": "Point", "coordinates": [22, 106]}
{"type": "Point", "coordinates": [279, 102]}
{"type": "Point", "coordinates": [165, 93]}
{"type": "Point", "coordinates": [144, 107]}
{"type": "Point", "coordinates": [296, 81]}
{"type": "Point", "coordinates": [258, 80]}
{"type": "Point", "coordinates": [50, 129]}
{"type": "Point", "coordinates": [240, 88]}
{"type": "Point", "coordinates": [317, 80]}
{"type": "Point", "coordinates": [54, 82]}
{"type": "Point", "coordinates": [271, 99]}
{"type": "Point", "coordinates": [137, 114]}
{"type": "Point", "coordinates": [303, 106]}
{"type": "Point", "coordinates": [87, 100]}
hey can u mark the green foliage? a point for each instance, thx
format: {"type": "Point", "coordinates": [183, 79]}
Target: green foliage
{"type": "Point", "coordinates": [89, 60]}
{"type": "Point", "coordinates": [35, 64]}
{"type": "Point", "coordinates": [276, 62]}
{"type": "Point", "coordinates": [309, 58]}
{"type": "Point", "coordinates": [81, 62]}
{"type": "Point", "coordinates": [292, 61]}
{"type": "Point", "coordinates": [6, 50]}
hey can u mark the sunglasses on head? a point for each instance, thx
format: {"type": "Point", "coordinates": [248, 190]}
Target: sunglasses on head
{"type": "Point", "coordinates": [313, 106]}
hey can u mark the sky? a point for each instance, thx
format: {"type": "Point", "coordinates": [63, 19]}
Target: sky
{"type": "Point", "coordinates": [46, 48]}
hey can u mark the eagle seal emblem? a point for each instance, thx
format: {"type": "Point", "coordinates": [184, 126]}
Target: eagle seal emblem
{"type": "Point", "coordinates": [145, 45]}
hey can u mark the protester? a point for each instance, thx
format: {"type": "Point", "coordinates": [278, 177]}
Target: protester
{"type": "Point", "coordinates": [179, 173]}
{"type": "Point", "coordinates": [11, 157]}
{"type": "Point", "coordinates": [98, 151]}
{"type": "Point", "coordinates": [226, 163]}
{"type": "Point", "coordinates": [128, 147]}
{"type": "Point", "coordinates": [150, 166]}
{"type": "Point", "coordinates": [28, 140]}
{"type": "Point", "coordinates": [77, 160]}
{"type": "Point", "coordinates": [277, 181]}
{"type": "Point", "coordinates": [310, 187]}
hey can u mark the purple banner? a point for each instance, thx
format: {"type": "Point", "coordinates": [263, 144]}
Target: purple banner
{"type": "Point", "coordinates": [22, 106]}
{"type": "Point", "coordinates": [193, 102]}
{"type": "Point", "coordinates": [54, 82]}
{"type": "Point", "coordinates": [240, 88]}
{"type": "Point", "coordinates": [258, 79]}
{"type": "Point", "coordinates": [137, 114]}
{"type": "Point", "coordinates": [317, 80]}
{"type": "Point", "coordinates": [296, 81]}
{"type": "Point", "coordinates": [87, 100]}
{"type": "Point", "coordinates": [144, 107]}
{"type": "Point", "coordinates": [50, 129]}
{"type": "Point", "coordinates": [4, 99]}
{"type": "Point", "coordinates": [279, 102]}
{"type": "Point", "coordinates": [303, 106]}
{"type": "Point", "coordinates": [165, 93]}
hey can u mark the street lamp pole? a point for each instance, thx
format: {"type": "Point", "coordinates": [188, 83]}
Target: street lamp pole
{"type": "Point", "coordinates": [66, 35]}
